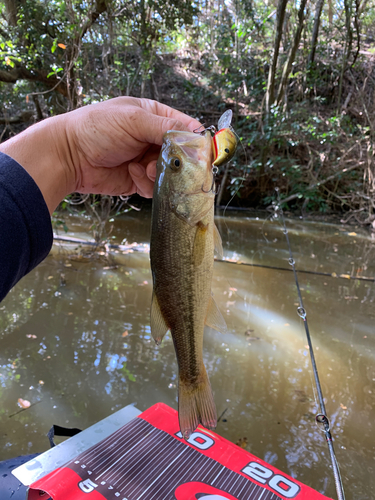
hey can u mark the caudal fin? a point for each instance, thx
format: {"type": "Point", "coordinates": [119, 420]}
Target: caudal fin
{"type": "Point", "coordinates": [196, 406]}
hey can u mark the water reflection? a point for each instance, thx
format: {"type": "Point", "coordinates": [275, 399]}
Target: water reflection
{"type": "Point", "coordinates": [80, 346]}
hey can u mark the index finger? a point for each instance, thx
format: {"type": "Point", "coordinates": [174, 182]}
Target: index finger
{"type": "Point", "coordinates": [157, 108]}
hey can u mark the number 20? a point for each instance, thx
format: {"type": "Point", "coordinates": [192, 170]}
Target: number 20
{"type": "Point", "coordinates": [277, 482]}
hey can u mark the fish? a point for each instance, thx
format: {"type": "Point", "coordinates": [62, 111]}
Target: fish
{"type": "Point", "coordinates": [183, 241]}
{"type": "Point", "coordinates": [224, 142]}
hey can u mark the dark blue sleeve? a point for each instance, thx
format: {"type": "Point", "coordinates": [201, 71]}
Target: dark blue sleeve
{"type": "Point", "coordinates": [25, 224]}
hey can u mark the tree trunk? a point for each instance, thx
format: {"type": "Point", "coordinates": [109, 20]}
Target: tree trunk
{"type": "Point", "coordinates": [357, 29]}
{"type": "Point", "coordinates": [347, 48]}
{"type": "Point", "coordinates": [281, 7]}
{"type": "Point", "coordinates": [37, 107]}
{"type": "Point", "coordinates": [348, 26]}
{"type": "Point", "coordinates": [330, 13]}
{"type": "Point", "coordinates": [292, 54]}
{"type": "Point", "coordinates": [314, 39]}
{"type": "Point", "coordinates": [11, 9]}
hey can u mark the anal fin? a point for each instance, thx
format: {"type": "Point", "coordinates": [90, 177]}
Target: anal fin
{"type": "Point", "coordinates": [199, 249]}
{"type": "Point", "coordinates": [158, 326]}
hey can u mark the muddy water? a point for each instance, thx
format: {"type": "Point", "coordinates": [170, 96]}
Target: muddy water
{"type": "Point", "coordinates": [75, 342]}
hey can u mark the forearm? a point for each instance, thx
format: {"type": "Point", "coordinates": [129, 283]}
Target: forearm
{"type": "Point", "coordinates": [41, 151]}
{"type": "Point", "coordinates": [25, 225]}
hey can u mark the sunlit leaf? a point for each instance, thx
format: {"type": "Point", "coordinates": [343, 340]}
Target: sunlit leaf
{"type": "Point", "coordinates": [54, 45]}
{"type": "Point", "coordinates": [9, 62]}
{"type": "Point", "coordinates": [61, 45]}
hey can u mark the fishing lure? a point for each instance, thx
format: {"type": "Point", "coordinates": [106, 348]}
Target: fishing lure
{"type": "Point", "coordinates": [224, 142]}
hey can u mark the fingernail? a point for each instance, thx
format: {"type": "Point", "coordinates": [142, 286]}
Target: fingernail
{"type": "Point", "coordinates": [136, 170]}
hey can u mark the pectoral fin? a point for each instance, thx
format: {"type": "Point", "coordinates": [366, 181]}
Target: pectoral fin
{"type": "Point", "coordinates": [218, 243]}
{"type": "Point", "coordinates": [214, 318]}
{"type": "Point", "coordinates": [158, 325]}
{"type": "Point", "coordinates": [200, 243]}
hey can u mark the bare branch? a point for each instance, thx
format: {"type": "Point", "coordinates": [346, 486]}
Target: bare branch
{"type": "Point", "coordinates": [21, 73]}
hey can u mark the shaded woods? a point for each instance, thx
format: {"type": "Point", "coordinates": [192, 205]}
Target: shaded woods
{"type": "Point", "coordinates": [299, 77]}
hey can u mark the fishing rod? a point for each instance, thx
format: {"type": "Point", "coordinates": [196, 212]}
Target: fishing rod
{"type": "Point", "coordinates": [321, 418]}
{"type": "Point", "coordinates": [305, 271]}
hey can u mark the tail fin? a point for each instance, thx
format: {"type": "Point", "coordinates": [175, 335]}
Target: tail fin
{"type": "Point", "coordinates": [196, 405]}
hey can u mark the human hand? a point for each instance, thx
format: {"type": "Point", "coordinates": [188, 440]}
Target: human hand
{"type": "Point", "coordinates": [106, 148]}
{"type": "Point", "coordinates": [115, 144]}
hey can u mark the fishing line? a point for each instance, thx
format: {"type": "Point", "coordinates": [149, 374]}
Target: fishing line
{"type": "Point", "coordinates": [220, 187]}
{"type": "Point", "coordinates": [321, 418]}
{"type": "Point", "coordinates": [242, 179]}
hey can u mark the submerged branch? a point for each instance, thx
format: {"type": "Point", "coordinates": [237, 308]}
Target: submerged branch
{"type": "Point", "coordinates": [321, 183]}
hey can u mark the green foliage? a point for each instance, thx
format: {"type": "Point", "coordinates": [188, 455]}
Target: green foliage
{"type": "Point", "coordinates": [74, 53]}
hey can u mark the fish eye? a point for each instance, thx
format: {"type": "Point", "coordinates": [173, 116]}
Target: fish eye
{"type": "Point", "coordinates": [226, 150]}
{"type": "Point", "coordinates": [175, 164]}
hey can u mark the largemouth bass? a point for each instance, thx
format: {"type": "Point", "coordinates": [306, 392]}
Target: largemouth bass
{"type": "Point", "coordinates": [183, 239]}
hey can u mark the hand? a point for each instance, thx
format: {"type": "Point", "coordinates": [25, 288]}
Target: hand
{"type": "Point", "coordinates": [108, 148]}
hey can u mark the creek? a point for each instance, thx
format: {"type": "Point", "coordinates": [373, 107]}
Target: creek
{"type": "Point", "coordinates": [76, 343]}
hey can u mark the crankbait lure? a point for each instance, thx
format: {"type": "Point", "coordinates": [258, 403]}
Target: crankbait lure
{"type": "Point", "coordinates": [224, 142]}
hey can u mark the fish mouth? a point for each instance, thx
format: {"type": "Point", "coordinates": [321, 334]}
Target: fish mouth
{"type": "Point", "coordinates": [196, 147]}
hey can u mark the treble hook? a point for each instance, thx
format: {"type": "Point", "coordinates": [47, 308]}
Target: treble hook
{"type": "Point", "coordinates": [195, 131]}
{"type": "Point", "coordinates": [212, 129]}
{"type": "Point", "coordinates": [215, 170]}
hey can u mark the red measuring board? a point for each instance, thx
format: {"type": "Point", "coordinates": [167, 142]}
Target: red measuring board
{"type": "Point", "coordinates": [147, 459]}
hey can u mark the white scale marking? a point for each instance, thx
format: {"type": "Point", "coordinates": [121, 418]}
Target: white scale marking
{"type": "Point", "coordinates": [165, 470]}
{"type": "Point", "coordinates": [122, 456]}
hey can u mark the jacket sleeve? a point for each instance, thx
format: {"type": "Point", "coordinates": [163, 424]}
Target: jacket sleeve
{"type": "Point", "coordinates": [25, 224]}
